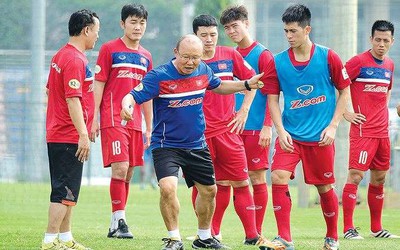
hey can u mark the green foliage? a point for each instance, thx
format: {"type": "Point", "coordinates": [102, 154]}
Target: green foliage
{"type": "Point", "coordinates": [23, 221]}
{"type": "Point", "coordinates": [215, 8]}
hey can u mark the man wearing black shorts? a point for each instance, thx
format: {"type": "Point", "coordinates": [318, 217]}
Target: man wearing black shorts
{"type": "Point", "coordinates": [69, 103]}
{"type": "Point", "coordinates": [177, 89]}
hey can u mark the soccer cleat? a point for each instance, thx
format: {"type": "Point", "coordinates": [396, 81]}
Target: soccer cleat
{"type": "Point", "coordinates": [55, 245]}
{"type": "Point", "coordinates": [72, 244]}
{"type": "Point", "coordinates": [384, 234]}
{"type": "Point", "coordinates": [172, 244]}
{"type": "Point", "coordinates": [122, 232]}
{"type": "Point", "coordinates": [352, 234]}
{"type": "Point", "coordinates": [210, 243]}
{"type": "Point", "coordinates": [251, 241]}
{"type": "Point", "coordinates": [276, 244]}
{"type": "Point", "coordinates": [330, 244]}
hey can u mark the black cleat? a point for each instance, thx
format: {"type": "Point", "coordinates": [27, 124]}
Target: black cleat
{"type": "Point", "coordinates": [210, 243]}
{"type": "Point", "coordinates": [171, 244]}
{"type": "Point", "coordinates": [122, 232]}
{"type": "Point", "coordinates": [252, 241]}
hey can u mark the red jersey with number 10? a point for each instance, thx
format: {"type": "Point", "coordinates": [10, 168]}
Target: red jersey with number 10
{"type": "Point", "coordinates": [371, 79]}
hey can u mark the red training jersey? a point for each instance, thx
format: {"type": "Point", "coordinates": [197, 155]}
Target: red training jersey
{"type": "Point", "coordinates": [219, 109]}
{"type": "Point", "coordinates": [66, 79]}
{"type": "Point", "coordinates": [371, 79]}
{"type": "Point", "coordinates": [122, 69]}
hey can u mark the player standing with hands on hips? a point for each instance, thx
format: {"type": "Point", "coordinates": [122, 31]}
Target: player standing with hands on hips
{"type": "Point", "coordinates": [371, 74]}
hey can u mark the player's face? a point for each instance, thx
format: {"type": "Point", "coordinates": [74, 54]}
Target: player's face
{"type": "Point", "coordinates": [236, 30]}
{"type": "Point", "coordinates": [188, 57]}
{"type": "Point", "coordinates": [92, 33]}
{"type": "Point", "coordinates": [134, 27]}
{"type": "Point", "coordinates": [295, 34]}
{"type": "Point", "coordinates": [209, 37]}
{"type": "Point", "coordinates": [381, 43]}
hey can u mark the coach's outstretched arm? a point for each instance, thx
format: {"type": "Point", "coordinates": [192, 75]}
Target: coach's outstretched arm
{"type": "Point", "coordinates": [230, 87]}
{"type": "Point", "coordinates": [127, 103]}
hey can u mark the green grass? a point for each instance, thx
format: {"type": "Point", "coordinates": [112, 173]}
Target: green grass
{"type": "Point", "coordinates": [23, 220]}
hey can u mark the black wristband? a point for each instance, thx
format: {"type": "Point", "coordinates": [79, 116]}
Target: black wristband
{"type": "Point", "coordinates": [246, 84]}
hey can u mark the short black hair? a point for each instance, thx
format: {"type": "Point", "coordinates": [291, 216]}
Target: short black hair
{"type": "Point", "coordinates": [382, 25]}
{"type": "Point", "coordinates": [298, 13]}
{"type": "Point", "coordinates": [234, 13]}
{"type": "Point", "coordinates": [203, 20]}
{"type": "Point", "coordinates": [135, 9]}
{"type": "Point", "coordinates": [79, 20]}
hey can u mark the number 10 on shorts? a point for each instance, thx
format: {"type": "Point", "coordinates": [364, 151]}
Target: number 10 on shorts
{"type": "Point", "coordinates": [363, 157]}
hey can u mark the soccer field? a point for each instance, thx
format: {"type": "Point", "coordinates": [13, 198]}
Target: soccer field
{"type": "Point", "coordinates": [23, 220]}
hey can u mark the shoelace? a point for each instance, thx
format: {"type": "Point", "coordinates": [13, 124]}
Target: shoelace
{"type": "Point", "coordinates": [168, 241]}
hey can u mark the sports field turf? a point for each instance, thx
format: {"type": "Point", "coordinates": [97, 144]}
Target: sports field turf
{"type": "Point", "coordinates": [23, 220]}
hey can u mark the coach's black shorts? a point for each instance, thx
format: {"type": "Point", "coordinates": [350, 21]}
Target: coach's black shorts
{"type": "Point", "coordinates": [196, 164]}
{"type": "Point", "coordinates": [65, 173]}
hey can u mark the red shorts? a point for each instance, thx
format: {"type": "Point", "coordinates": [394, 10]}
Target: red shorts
{"type": "Point", "coordinates": [228, 156]}
{"type": "Point", "coordinates": [369, 153]}
{"type": "Point", "coordinates": [318, 162]}
{"type": "Point", "coordinates": [257, 156]}
{"type": "Point", "coordinates": [122, 145]}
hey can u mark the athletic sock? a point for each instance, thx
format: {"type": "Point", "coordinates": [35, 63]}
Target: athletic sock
{"type": "Point", "coordinates": [244, 207]}
{"type": "Point", "coordinates": [375, 204]}
{"type": "Point", "coordinates": [282, 207]}
{"type": "Point", "coordinates": [66, 236]}
{"type": "Point", "coordinates": [118, 194]}
{"type": "Point", "coordinates": [221, 203]}
{"type": "Point", "coordinates": [260, 197]}
{"type": "Point", "coordinates": [330, 210]}
{"type": "Point", "coordinates": [48, 237]}
{"type": "Point", "coordinates": [349, 201]}
{"type": "Point", "coordinates": [127, 185]}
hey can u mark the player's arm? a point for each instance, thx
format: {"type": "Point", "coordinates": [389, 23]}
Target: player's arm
{"type": "Point", "coordinates": [351, 115]}
{"type": "Point", "coordinates": [266, 130]}
{"type": "Point", "coordinates": [285, 140]}
{"type": "Point", "coordinates": [76, 114]}
{"type": "Point", "coordinates": [229, 87]}
{"type": "Point", "coordinates": [98, 96]}
{"type": "Point", "coordinates": [342, 81]}
{"type": "Point", "coordinates": [147, 108]}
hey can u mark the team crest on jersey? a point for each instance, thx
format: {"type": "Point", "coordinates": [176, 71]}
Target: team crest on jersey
{"type": "Point", "coordinates": [74, 84]}
{"type": "Point", "coordinates": [388, 74]}
{"type": "Point", "coordinates": [143, 60]}
{"type": "Point", "coordinates": [305, 89]}
{"type": "Point", "coordinates": [139, 87]}
{"type": "Point", "coordinates": [222, 66]}
{"type": "Point", "coordinates": [97, 69]}
{"type": "Point", "coordinates": [199, 82]}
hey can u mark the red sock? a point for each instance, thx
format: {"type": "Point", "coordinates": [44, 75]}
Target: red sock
{"type": "Point", "coordinates": [194, 196]}
{"type": "Point", "coordinates": [260, 197]}
{"type": "Point", "coordinates": [349, 201]}
{"type": "Point", "coordinates": [117, 194]}
{"type": "Point", "coordinates": [127, 185]}
{"type": "Point", "coordinates": [282, 206]}
{"type": "Point", "coordinates": [330, 210]}
{"type": "Point", "coordinates": [221, 203]}
{"type": "Point", "coordinates": [375, 203]}
{"type": "Point", "coordinates": [244, 207]}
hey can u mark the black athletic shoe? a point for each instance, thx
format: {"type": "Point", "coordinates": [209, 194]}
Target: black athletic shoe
{"type": "Point", "coordinates": [210, 243]}
{"type": "Point", "coordinates": [170, 244]}
{"type": "Point", "coordinates": [122, 232]}
{"type": "Point", "coordinates": [252, 241]}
